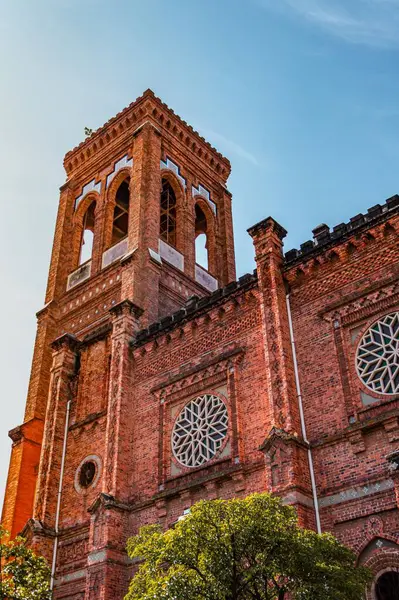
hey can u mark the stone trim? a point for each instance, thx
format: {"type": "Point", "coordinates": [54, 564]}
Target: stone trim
{"type": "Point", "coordinates": [355, 493]}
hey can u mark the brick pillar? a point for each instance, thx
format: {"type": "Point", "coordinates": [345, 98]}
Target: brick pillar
{"type": "Point", "coordinates": [61, 391]}
{"type": "Point", "coordinates": [99, 226]}
{"type": "Point", "coordinates": [22, 474]}
{"type": "Point", "coordinates": [281, 390]}
{"type": "Point", "coordinates": [107, 574]}
{"type": "Point", "coordinates": [228, 267]}
{"type": "Point", "coordinates": [140, 275]}
{"type": "Point", "coordinates": [286, 453]}
{"type": "Point", "coordinates": [62, 257]}
{"type": "Point", "coordinates": [125, 322]}
{"type": "Point", "coordinates": [27, 438]}
{"type": "Point", "coordinates": [188, 217]}
{"type": "Point", "coordinates": [25, 454]}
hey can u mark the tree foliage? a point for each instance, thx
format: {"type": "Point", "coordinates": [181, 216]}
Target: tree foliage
{"type": "Point", "coordinates": [251, 549]}
{"type": "Point", "coordinates": [23, 574]}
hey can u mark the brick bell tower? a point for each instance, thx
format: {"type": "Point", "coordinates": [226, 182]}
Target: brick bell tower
{"type": "Point", "coordinates": [141, 193]}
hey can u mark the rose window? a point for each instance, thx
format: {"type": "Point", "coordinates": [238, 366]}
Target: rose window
{"type": "Point", "coordinates": [200, 430]}
{"type": "Point", "coordinates": [377, 357]}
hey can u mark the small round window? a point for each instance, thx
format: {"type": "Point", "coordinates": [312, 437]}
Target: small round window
{"type": "Point", "coordinates": [88, 472]}
{"type": "Point", "coordinates": [377, 357]}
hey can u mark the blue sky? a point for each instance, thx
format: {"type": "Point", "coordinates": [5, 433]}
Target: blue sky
{"type": "Point", "coordinates": [301, 95]}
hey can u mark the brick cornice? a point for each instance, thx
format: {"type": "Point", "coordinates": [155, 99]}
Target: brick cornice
{"type": "Point", "coordinates": [146, 107]}
{"type": "Point", "coordinates": [277, 435]}
{"type": "Point", "coordinates": [126, 307]}
{"type": "Point", "coordinates": [183, 379]}
{"type": "Point", "coordinates": [268, 224]}
{"type": "Point", "coordinates": [67, 340]}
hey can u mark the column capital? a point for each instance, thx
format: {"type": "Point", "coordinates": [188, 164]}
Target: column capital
{"type": "Point", "coordinates": [65, 341]}
{"type": "Point", "coordinates": [268, 225]}
{"type": "Point", "coordinates": [126, 307]}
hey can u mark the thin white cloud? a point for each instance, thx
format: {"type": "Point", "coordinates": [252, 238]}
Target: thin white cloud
{"type": "Point", "coordinates": [371, 22]}
{"type": "Point", "coordinates": [227, 146]}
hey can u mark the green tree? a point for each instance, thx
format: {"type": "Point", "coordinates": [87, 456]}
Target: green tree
{"type": "Point", "coordinates": [23, 574]}
{"type": "Point", "coordinates": [251, 549]}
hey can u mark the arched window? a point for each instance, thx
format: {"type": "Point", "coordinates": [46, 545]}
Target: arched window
{"type": "Point", "coordinates": [167, 230]}
{"type": "Point", "coordinates": [387, 586]}
{"type": "Point", "coordinates": [86, 246]}
{"type": "Point", "coordinates": [201, 238]}
{"type": "Point", "coordinates": [121, 212]}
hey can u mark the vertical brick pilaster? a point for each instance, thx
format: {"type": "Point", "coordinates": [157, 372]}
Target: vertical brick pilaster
{"type": "Point", "coordinates": [99, 226]}
{"type": "Point", "coordinates": [107, 573]}
{"type": "Point", "coordinates": [189, 230]}
{"type": "Point", "coordinates": [22, 474]}
{"type": "Point", "coordinates": [62, 257]}
{"type": "Point", "coordinates": [27, 439]}
{"type": "Point", "coordinates": [268, 236]}
{"type": "Point", "coordinates": [228, 271]}
{"type": "Point", "coordinates": [62, 372]}
{"type": "Point", "coordinates": [125, 322]}
{"type": "Point", "coordinates": [144, 217]}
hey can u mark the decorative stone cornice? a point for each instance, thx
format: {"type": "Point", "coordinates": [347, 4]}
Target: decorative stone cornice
{"type": "Point", "coordinates": [107, 501]}
{"type": "Point", "coordinates": [277, 435]}
{"type": "Point", "coordinates": [267, 225]}
{"type": "Point", "coordinates": [36, 527]}
{"type": "Point", "coordinates": [126, 307]}
{"type": "Point", "coordinates": [146, 108]}
{"type": "Point", "coordinates": [67, 340]}
{"type": "Point", "coordinates": [16, 434]}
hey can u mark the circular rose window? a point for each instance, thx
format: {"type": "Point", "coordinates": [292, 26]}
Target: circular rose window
{"type": "Point", "coordinates": [200, 430]}
{"type": "Point", "coordinates": [88, 473]}
{"type": "Point", "coordinates": [377, 358]}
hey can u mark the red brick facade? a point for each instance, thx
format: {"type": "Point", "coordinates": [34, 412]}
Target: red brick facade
{"type": "Point", "coordinates": [126, 340]}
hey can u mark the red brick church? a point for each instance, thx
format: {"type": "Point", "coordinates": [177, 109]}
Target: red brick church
{"type": "Point", "coordinates": [157, 381]}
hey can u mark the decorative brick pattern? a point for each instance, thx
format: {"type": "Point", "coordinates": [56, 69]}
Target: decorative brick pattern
{"type": "Point", "coordinates": [92, 186]}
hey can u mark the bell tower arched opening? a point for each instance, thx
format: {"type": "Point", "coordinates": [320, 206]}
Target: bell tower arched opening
{"type": "Point", "coordinates": [86, 245]}
{"type": "Point", "coordinates": [120, 223]}
{"type": "Point", "coordinates": [201, 238]}
{"type": "Point", "coordinates": [167, 229]}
